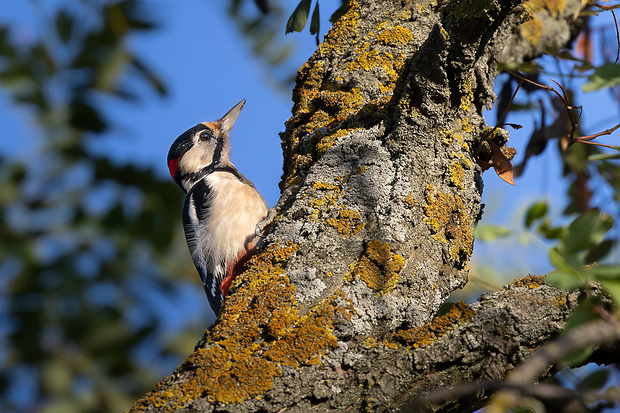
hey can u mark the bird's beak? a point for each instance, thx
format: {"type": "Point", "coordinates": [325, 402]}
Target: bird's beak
{"type": "Point", "coordinates": [226, 122]}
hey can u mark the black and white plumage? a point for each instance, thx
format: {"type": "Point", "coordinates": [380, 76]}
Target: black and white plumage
{"type": "Point", "coordinates": [222, 207]}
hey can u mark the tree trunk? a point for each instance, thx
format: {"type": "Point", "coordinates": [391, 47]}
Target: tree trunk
{"type": "Point", "coordinates": [381, 191]}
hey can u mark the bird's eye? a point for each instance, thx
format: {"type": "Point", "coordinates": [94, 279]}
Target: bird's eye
{"type": "Point", "coordinates": [205, 135]}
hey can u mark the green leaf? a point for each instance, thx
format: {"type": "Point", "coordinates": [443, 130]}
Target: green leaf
{"type": "Point", "coordinates": [609, 272]}
{"type": "Point", "coordinates": [110, 70]}
{"type": "Point", "coordinates": [536, 211]}
{"type": "Point", "coordinates": [86, 117]}
{"type": "Point", "coordinates": [605, 76]}
{"type": "Point", "coordinates": [315, 22]}
{"type": "Point", "coordinates": [64, 25]}
{"type": "Point", "coordinates": [583, 314]}
{"type": "Point", "coordinates": [488, 233]}
{"type": "Point", "coordinates": [550, 232]}
{"type": "Point", "coordinates": [522, 409]}
{"type": "Point", "coordinates": [340, 11]}
{"type": "Point", "coordinates": [299, 17]}
{"type": "Point", "coordinates": [593, 381]}
{"type": "Point", "coordinates": [605, 156]}
{"type": "Point", "coordinates": [444, 308]}
{"type": "Point", "coordinates": [149, 76]}
{"type": "Point", "coordinates": [586, 231]}
{"type": "Point", "coordinates": [564, 280]}
{"type": "Point", "coordinates": [578, 357]}
{"type": "Point", "coordinates": [567, 263]}
{"type": "Point", "coordinates": [612, 287]}
{"type": "Point", "coordinates": [599, 251]}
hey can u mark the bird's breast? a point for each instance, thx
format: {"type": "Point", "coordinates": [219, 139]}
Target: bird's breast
{"type": "Point", "coordinates": [234, 210]}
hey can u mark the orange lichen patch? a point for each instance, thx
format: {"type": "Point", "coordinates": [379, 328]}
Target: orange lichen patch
{"type": "Point", "coordinates": [554, 7]}
{"type": "Point", "coordinates": [322, 206]}
{"type": "Point", "coordinates": [319, 119]}
{"type": "Point", "coordinates": [465, 125]}
{"type": "Point", "coordinates": [531, 281]}
{"type": "Point", "coordinates": [328, 141]}
{"type": "Point", "coordinates": [292, 180]}
{"type": "Point", "coordinates": [328, 108]}
{"type": "Point", "coordinates": [444, 34]}
{"type": "Point", "coordinates": [323, 185]}
{"type": "Point", "coordinates": [459, 314]}
{"type": "Point", "coordinates": [467, 97]}
{"type": "Point", "coordinates": [561, 300]}
{"type": "Point", "coordinates": [392, 64]}
{"type": "Point", "coordinates": [312, 335]}
{"type": "Point", "coordinates": [410, 201]}
{"type": "Point", "coordinates": [259, 320]}
{"type": "Point", "coordinates": [348, 222]}
{"type": "Point", "coordinates": [360, 169]}
{"type": "Point", "coordinates": [447, 137]}
{"type": "Point", "coordinates": [448, 220]}
{"type": "Point", "coordinates": [309, 78]}
{"type": "Point", "coordinates": [532, 31]}
{"type": "Point", "coordinates": [343, 31]}
{"type": "Point", "coordinates": [508, 151]}
{"type": "Point", "coordinates": [378, 267]}
{"type": "Point", "coordinates": [394, 36]}
{"type": "Point", "coordinates": [456, 173]}
{"type": "Point", "coordinates": [370, 342]}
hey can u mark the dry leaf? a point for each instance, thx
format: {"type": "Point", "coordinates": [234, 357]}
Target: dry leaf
{"type": "Point", "coordinates": [501, 164]}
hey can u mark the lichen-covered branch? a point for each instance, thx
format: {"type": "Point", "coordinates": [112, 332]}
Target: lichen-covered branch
{"type": "Point", "coordinates": [381, 191]}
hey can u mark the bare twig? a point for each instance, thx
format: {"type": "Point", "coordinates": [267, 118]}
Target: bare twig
{"type": "Point", "coordinates": [569, 110]}
{"type": "Point", "coordinates": [596, 333]}
{"type": "Point", "coordinates": [512, 98]}
{"type": "Point", "coordinates": [611, 9]}
{"type": "Point", "coordinates": [617, 35]}
{"type": "Point", "coordinates": [587, 138]}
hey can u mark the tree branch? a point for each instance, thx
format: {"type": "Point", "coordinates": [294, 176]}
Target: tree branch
{"type": "Point", "coordinates": [381, 192]}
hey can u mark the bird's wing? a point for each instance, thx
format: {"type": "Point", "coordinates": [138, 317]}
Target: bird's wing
{"type": "Point", "coordinates": [195, 212]}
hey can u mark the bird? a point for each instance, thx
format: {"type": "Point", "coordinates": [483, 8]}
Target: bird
{"type": "Point", "coordinates": [222, 208]}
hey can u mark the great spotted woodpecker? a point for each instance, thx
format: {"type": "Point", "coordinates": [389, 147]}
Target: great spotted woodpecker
{"type": "Point", "coordinates": [222, 207]}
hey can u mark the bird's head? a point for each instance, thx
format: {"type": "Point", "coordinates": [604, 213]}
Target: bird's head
{"type": "Point", "coordinates": [201, 149]}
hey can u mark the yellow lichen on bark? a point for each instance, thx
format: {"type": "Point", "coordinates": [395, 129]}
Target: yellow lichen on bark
{"type": "Point", "coordinates": [348, 222]}
{"type": "Point", "coordinates": [456, 173]}
{"type": "Point", "coordinates": [343, 31]}
{"type": "Point", "coordinates": [258, 332]}
{"type": "Point", "coordinates": [446, 216]}
{"type": "Point", "coordinates": [430, 332]}
{"type": "Point", "coordinates": [531, 281]}
{"type": "Point", "coordinates": [378, 267]}
{"type": "Point", "coordinates": [394, 36]}
{"type": "Point", "coordinates": [533, 29]}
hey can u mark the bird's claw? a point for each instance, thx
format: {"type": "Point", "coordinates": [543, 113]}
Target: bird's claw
{"type": "Point", "coordinates": [260, 227]}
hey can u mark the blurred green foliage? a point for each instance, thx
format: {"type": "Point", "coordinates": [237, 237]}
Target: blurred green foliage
{"type": "Point", "coordinates": [88, 246]}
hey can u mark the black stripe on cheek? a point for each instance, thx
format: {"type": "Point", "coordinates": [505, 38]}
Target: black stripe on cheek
{"type": "Point", "coordinates": [217, 154]}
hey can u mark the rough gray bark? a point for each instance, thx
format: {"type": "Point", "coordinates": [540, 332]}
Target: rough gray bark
{"type": "Point", "coordinates": [381, 190]}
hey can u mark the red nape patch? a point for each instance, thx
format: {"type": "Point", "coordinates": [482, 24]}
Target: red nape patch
{"type": "Point", "coordinates": [173, 166]}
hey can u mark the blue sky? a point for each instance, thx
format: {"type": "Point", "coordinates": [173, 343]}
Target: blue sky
{"type": "Point", "coordinates": [204, 85]}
